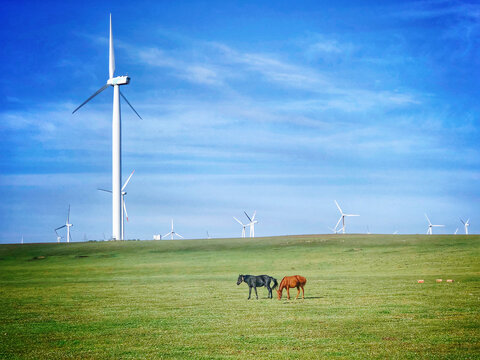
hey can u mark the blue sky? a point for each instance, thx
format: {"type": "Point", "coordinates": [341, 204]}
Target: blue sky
{"type": "Point", "coordinates": [247, 106]}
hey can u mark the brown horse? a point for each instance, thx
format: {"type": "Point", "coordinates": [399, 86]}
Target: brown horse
{"type": "Point", "coordinates": [292, 282]}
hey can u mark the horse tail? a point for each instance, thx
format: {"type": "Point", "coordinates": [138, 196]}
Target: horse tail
{"type": "Point", "coordinates": [275, 284]}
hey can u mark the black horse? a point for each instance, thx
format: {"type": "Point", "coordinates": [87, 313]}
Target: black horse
{"type": "Point", "coordinates": [258, 281]}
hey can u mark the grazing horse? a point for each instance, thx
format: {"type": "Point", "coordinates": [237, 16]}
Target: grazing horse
{"type": "Point", "coordinates": [292, 282]}
{"type": "Point", "coordinates": [258, 281]}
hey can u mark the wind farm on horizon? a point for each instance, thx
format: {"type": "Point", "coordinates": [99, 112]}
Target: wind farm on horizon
{"type": "Point", "coordinates": [118, 192]}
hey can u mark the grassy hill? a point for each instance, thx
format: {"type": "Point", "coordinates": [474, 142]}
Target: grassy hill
{"type": "Point", "coordinates": [179, 299]}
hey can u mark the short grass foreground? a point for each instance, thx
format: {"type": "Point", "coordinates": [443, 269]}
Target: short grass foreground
{"type": "Point", "coordinates": [179, 299]}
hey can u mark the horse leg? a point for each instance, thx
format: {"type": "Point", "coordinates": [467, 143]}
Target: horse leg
{"type": "Point", "coordinates": [303, 293]}
{"type": "Point", "coordinates": [288, 293]}
{"type": "Point", "coordinates": [298, 292]}
{"type": "Point", "coordinates": [249, 292]}
{"type": "Point", "coordinates": [256, 292]}
{"type": "Point", "coordinates": [269, 291]}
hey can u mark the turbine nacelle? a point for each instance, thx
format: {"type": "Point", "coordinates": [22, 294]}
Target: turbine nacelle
{"type": "Point", "coordinates": [119, 80]}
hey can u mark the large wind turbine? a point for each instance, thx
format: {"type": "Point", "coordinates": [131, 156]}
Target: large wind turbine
{"type": "Point", "coordinates": [172, 233]}
{"type": "Point", "coordinates": [466, 224]}
{"type": "Point", "coordinates": [67, 225]}
{"type": "Point", "coordinates": [116, 82]}
{"type": "Point", "coordinates": [252, 223]}
{"type": "Point", "coordinates": [124, 207]}
{"type": "Point", "coordinates": [342, 218]}
{"type": "Point", "coordinates": [244, 226]}
{"type": "Point", "coordinates": [430, 226]}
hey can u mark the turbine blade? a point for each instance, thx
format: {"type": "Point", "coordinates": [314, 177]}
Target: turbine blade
{"type": "Point", "coordinates": [125, 209]}
{"type": "Point", "coordinates": [254, 213]}
{"type": "Point", "coordinates": [126, 182]}
{"type": "Point", "coordinates": [111, 55]}
{"type": "Point", "coordinates": [350, 215]}
{"type": "Point", "coordinates": [68, 216]}
{"type": "Point", "coordinates": [109, 191]}
{"type": "Point", "coordinates": [338, 206]}
{"type": "Point", "coordinates": [238, 221]}
{"type": "Point", "coordinates": [463, 222]}
{"type": "Point", "coordinates": [91, 97]}
{"type": "Point", "coordinates": [428, 219]}
{"type": "Point", "coordinates": [341, 217]}
{"type": "Point", "coordinates": [135, 111]}
{"type": "Point", "coordinates": [179, 235]}
{"type": "Point", "coordinates": [168, 234]}
{"type": "Point", "coordinates": [61, 227]}
{"type": "Point", "coordinates": [248, 216]}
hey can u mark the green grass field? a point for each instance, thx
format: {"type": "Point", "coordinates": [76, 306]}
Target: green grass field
{"type": "Point", "coordinates": [179, 299]}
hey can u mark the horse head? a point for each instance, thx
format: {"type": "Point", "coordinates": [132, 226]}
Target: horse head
{"type": "Point", "coordinates": [240, 279]}
{"type": "Point", "coordinates": [279, 292]}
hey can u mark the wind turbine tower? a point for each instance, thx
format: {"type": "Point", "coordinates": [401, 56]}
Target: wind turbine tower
{"type": "Point", "coordinates": [116, 82]}
{"type": "Point", "coordinates": [124, 207]}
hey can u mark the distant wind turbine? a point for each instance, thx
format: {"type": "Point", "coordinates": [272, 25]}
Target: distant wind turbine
{"type": "Point", "coordinates": [342, 217]}
{"type": "Point", "coordinates": [172, 233]}
{"type": "Point", "coordinates": [430, 226]}
{"type": "Point", "coordinates": [116, 82]}
{"type": "Point", "coordinates": [59, 238]}
{"type": "Point", "coordinates": [466, 224]}
{"type": "Point", "coordinates": [456, 231]}
{"type": "Point", "coordinates": [124, 207]}
{"type": "Point", "coordinates": [208, 235]}
{"type": "Point", "coordinates": [335, 231]}
{"type": "Point", "coordinates": [244, 226]}
{"type": "Point", "coordinates": [252, 223]}
{"type": "Point", "coordinates": [67, 225]}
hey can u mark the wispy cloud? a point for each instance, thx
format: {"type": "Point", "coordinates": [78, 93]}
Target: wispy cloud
{"type": "Point", "coordinates": [223, 66]}
{"type": "Point", "coordinates": [436, 9]}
